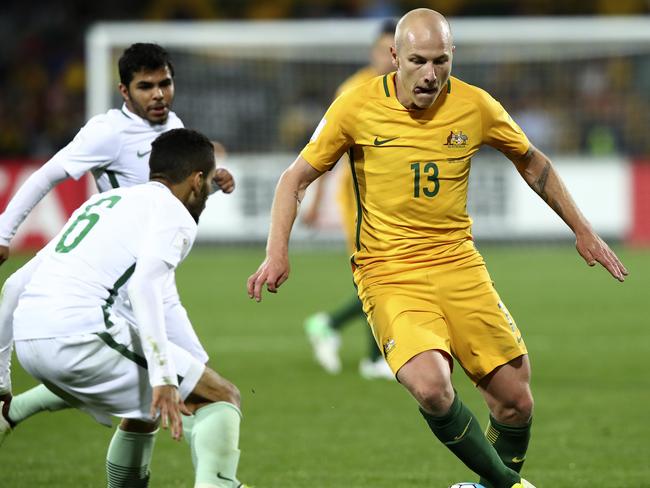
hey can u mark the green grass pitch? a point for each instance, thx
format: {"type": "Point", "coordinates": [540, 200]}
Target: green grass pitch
{"type": "Point", "coordinates": [588, 335]}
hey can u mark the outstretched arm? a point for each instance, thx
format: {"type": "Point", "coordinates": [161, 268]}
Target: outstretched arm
{"type": "Point", "coordinates": [538, 171]}
{"type": "Point", "coordinates": [288, 194]}
{"type": "Point", "coordinates": [30, 193]}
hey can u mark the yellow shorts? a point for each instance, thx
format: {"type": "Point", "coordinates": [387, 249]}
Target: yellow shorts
{"type": "Point", "coordinates": [451, 306]}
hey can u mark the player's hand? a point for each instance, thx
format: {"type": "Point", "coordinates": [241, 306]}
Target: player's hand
{"type": "Point", "coordinates": [4, 254]}
{"type": "Point", "coordinates": [167, 401]}
{"type": "Point", "coordinates": [594, 250]}
{"type": "Point", "coordinates": [224, 180]}
{"type": "Point", "coordinates": [272, 272]}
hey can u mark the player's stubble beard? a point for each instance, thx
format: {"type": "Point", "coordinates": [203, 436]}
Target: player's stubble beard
{"type": "Point", "coordinates": [142, 112]}
{"type": "Point", "coordinates": [197, 206]}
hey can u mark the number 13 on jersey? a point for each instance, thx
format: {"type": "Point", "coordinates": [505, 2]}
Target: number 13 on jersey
{"type": "Point", "coordinates": [429, 170]}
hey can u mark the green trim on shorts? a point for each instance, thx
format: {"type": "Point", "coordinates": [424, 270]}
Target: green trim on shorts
{"type": "Point", "coordinates": [122, 349]}
{"type": "Point", "coordinates": [63, 395]}
{"type": "Point", "coordinates": [108, 338]}
{"type": "Point", "coordinates": [126, 352]}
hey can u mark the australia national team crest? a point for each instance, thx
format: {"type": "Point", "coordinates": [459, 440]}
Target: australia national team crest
{"type": "Point", "coordinates": [389, 345]}
{"type": "Point", "coordinates": [456, 139]}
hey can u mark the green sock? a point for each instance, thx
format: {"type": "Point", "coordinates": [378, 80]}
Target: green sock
{"type": "Point", "coordinates": [188, 425]}
{"type": "Point", "coordinates": [30, 402]}
{"type": "Point", "coordinates": [215, 440]}
{"type": "Point", "coordinates": [511, 443]}
{"type": "Point", "coordinates": [343, 315]}
{"type": "Point", "coordinates": [128, 459]}
{"type": "Point", "coordinates": [460, 431]}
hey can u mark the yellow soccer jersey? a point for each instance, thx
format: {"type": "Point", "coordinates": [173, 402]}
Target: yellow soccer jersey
{"type": "Point", "coordinates": [410, 167]}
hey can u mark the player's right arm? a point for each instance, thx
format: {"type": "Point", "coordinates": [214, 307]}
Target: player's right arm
{"type": "Point", "coordinates": [30, 193]}
{"type": "Point", "coordinates": [288, 194]}
{"type": "Point", "coordinates": [95, 145]}
{"type": "Point", "coordinates": [329, 141]}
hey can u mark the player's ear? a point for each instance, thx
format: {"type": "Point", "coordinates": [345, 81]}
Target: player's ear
{"type": "Point", "coordinates": [124, 91]}
{"type": "Point", "coordinates": [393, 53]}
{"type": "Point", "coordinates": [197, 180]}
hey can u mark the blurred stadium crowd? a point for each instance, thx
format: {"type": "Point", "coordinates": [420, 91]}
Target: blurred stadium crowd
{"type": "Point", "coordinates": [42, 75]}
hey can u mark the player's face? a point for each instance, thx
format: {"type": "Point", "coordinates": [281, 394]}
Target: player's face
{"type": "Point", "coordinates": [423, 69]}
{"type": "Point", "coordinates": [197, 201]}
{"type": "Point", "coordinates": [382, 60]}
{"type": "Point", "coordinates": [150, 94]}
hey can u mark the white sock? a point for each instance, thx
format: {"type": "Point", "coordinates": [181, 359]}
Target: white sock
{"type": "Point", "coordinates": [31, 402]}
{"type": "Point", "coordinates": [215, 441]}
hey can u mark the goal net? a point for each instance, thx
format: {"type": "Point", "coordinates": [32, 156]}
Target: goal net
{"type": "Point", "coordinates": [579, 87]}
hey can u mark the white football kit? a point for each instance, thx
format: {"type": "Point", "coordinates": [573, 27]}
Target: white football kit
{"type": "Point", "coordinates": [65, 329]}
{"type": "Point", "coordinates": [115, 148]}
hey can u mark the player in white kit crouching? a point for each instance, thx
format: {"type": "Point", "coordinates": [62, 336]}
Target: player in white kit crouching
{"type": "Point", "coordinates": [115, 148]}
{"type": "Point", "coordinates": [67, 334]}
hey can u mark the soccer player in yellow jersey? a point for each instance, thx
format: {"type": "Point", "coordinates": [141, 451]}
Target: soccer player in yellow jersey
{"type": "Point", "coordinates": [426, 291]}
{"type": "Point", "coordinates": [323, 328]}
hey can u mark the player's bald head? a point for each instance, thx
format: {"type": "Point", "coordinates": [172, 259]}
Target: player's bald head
{"type": "Point", "coordinates": [423, 55]}
{"type": "Point", "coordinates": [422, 25]}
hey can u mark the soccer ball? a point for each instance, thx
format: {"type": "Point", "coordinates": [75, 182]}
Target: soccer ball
{"type": "Point", "coordinates": [467, 485]}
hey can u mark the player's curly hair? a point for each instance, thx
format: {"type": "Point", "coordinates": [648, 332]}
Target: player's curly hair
{"type": "Point", "coordinates": [142, 56]}
{"type": "Point", "coordinates": [178, 153]}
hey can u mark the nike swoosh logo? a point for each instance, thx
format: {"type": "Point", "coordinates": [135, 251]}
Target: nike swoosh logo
{"type": "Point", "coordinates": [462, 434]}
{"type": "Point", "coordinates": [518, 459]}
{"type": "Point", "coordinates": [142, 154]}
{"type": "Point", "coordinates": [381, 142]}
{"type": "Point", "coordinates": [221, 477]}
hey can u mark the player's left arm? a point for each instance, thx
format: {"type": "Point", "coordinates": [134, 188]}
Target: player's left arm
{"type": "Point", "coordinates": [223, 179]}
{"type": "Point", "coordinates": [289, 193]}
{"type": "Point", "coordinates": [179, 327]}
{"type": "Point", "coordinates": [540, 174]}
{"type": "Point", "coordinates": [145, 291]}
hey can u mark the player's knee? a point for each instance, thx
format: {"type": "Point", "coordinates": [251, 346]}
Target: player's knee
{"type": "Point", "coordinates": [225, 391]}
{"type": "Point", "coordinates": [213, 388]}
{"type": "Point", "coordinates": [434, 397]}
{"type": "Point", "coordinates": [516, 411]}
{"type": "Point", "coordinates": [138, 426]}
{"type": "Point", "coordinates": [233, 395]}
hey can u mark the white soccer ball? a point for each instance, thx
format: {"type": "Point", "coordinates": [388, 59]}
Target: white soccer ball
{"type": "Point", "coordinates": [467, 484]}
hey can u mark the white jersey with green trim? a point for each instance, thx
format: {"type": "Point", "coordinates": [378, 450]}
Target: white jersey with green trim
{"type": "Point", "coordinates": [84, 267]}
{"type": "Point", "coordinates": [115, 147]}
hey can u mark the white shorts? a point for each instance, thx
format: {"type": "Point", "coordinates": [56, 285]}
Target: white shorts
{"type": "Point", "coordinates": [104, 374]}
{"type": "Point", "coordinates": [177, 323]}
